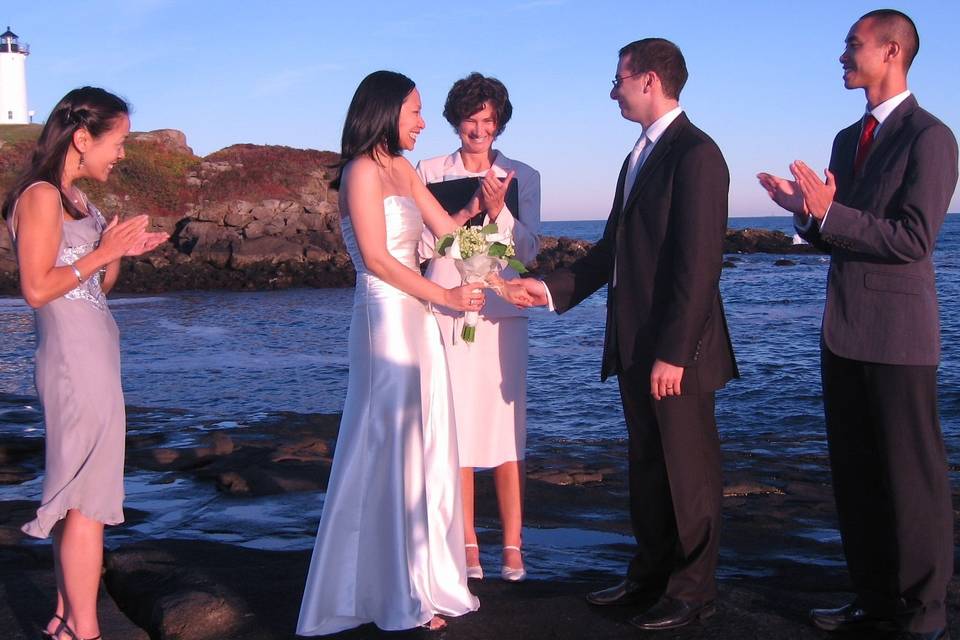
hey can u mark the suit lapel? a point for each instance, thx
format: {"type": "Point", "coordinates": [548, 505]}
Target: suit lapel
{"type": "Point", "coordinates": [887, 134]}
{"type": "Point", "coordinates": [660, 151]}
{"type": "Point", "coordinates": [846, 153]}
{"type": "Point", "coordinates": [882, 146]}
{"type": "Point", "coordinates": [618, 195]}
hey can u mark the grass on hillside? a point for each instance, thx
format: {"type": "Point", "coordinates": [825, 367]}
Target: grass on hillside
{"type": "Point", "coordinates": [14, 133]}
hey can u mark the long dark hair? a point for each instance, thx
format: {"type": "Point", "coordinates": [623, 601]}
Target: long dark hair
{"type": "Point", "coordinates": [373, 117]}
{"type": "Point", "coordinates": [90, 108]}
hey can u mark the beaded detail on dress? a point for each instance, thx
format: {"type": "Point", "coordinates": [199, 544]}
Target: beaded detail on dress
{"type": "Point", "coordinates": [90, 290]}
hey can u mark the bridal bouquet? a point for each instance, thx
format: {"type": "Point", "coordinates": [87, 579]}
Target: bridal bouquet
{"type": "Point", "coordinates": [478, 253]}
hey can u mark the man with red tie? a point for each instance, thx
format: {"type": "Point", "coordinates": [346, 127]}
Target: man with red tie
{"type": "Point", "coordinates": [878, 214]}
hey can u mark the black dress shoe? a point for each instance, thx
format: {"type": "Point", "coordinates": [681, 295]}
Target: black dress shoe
{"type": "Point", "coordinates": [671, 614]}
{"type": "Point", "coordinates": [940, 634]}
{"type": "Point", "coordinates": [850, 617]}
{"type": "Point", "coordinates": [624, 592]}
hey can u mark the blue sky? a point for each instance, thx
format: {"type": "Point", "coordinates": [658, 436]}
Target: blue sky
{"type": "Point", "coordinates": [764, 77]}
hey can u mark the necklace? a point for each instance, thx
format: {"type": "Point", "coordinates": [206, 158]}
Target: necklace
{"type": "Point", "coordinates": [77, 199]}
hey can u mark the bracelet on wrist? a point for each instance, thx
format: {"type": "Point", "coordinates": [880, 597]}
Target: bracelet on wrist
{"type": "Point", "coordinates": [77, 273]}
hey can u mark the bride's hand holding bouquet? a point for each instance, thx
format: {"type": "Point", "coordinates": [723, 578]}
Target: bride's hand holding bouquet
{"type": "Point", "coordinates": [467, 297]}
{"type": "Point", "coordinates": [479, 254]}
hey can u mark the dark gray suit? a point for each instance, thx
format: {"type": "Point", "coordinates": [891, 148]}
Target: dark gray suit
{"type": "Point", "coordinates": [880, 346]}
{"type": "Point", "coordinates": [666, 243]}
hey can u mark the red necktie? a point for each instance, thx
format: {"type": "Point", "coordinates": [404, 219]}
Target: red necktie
{"type": "Point", "coordinates": [866, 140]}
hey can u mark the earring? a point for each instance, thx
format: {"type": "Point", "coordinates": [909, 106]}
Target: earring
{"type": "Point", "coordinates": [80, 166]}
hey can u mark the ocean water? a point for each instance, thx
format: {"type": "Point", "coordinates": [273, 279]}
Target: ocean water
{"type": "Point", "coordinates": [198, 360]}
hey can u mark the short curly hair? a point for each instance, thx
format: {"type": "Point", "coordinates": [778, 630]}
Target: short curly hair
{"type": "Point", "coordinates": [468, 95]}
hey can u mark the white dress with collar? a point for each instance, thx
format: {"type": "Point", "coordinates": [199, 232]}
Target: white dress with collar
{"type": "Point", "coordinates": [489, 376]}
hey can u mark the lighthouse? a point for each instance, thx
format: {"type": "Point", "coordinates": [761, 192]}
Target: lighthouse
{"type": "Point", "coordinates": [13, 79]}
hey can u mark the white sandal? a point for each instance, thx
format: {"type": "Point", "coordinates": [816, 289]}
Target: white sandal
{"type": "Point", "coordinates": [512, 575]}
{"type": "Point", "coordinates": [476, 571]}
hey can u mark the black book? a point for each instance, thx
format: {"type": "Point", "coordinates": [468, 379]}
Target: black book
{"type": "Point", "coordinates": [453, 195]}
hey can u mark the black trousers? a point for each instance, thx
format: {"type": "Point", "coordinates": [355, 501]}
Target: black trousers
{"type": "Point", "coordinates": [891, 486]}
{"type": "Point", "coordinates": [676, 486]}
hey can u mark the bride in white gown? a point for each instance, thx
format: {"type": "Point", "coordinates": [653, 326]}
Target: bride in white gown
{"type": "Point", "coordinates": [390, 545]}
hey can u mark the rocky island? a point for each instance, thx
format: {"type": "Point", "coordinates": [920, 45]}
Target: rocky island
{"type": "Point", "coordinates": [248, 216]}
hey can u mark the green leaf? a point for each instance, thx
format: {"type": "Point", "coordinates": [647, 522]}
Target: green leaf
{"type": "Point", "coordinates": [445, 243]}
{"type": "Point", "coordinates": [490, 228]}
{"type": "Point", "coordinates": [516, 265]}
{"type": "Point", "coordinates": [497, 250]}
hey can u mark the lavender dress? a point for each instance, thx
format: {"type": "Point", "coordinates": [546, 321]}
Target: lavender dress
{"type": "Point", "coordinates": [78, 381]}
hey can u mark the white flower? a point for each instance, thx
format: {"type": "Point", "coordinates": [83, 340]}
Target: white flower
{"type": "Point", "coordinates": [454, 250]}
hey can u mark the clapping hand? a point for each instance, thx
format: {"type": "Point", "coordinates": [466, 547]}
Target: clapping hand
{"type": "Point", "coordinates": [493, 193]}
{"type": "Point", "coordinates": [817, 194]}
{"type": "Point", "coordinates": [148, 241]}
{"type": "Point", "coordinates": [130, 237]}
{"type": "Point", "coordinates": [785, 193]}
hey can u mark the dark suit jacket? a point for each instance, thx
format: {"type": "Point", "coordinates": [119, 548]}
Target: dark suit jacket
{"type": "Point", "coordinates": [669, 246]}
{"type": "Point", "coordinates": [880, 232]}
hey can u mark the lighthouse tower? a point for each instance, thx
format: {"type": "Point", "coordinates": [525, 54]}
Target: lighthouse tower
{"type": "Point", "coordinates": [13, 79]}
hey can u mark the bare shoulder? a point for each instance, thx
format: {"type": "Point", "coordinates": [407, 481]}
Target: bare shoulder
{"type": "Point", "coordinates": [360, 171]}
{"type": "Point", "coordinates": [42, 199]}
{"type": "Point", "coordinates": [404, 165]}
{"type": "Point", "coordinates": [407, 173]}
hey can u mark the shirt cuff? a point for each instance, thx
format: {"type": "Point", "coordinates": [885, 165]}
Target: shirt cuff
{"type": "Point", "coordinates": [802, 222]}
{"type": "Point", "coordinates": [823, 220]}
{"type": "Point", "coordinates": [546, 290]}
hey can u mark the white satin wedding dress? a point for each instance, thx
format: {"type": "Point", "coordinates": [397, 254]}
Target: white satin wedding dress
{"type": "Point", "coordinates": [390, 545]}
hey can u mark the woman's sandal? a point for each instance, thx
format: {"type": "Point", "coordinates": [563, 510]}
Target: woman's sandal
{"type": "Point", "coordinates": [508, 573]}
{"type": "Point", "coordinates": [46, 635]}
{"type": "Point", "coordinates": [65, 628]}
{"type": "Point", "coordinates": [475, 571]}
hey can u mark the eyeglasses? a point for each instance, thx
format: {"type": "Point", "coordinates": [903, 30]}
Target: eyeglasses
{"type": "Point", "coordinates": [619, 81]}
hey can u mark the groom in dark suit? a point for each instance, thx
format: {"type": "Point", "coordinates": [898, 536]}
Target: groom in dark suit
{"type": "Point", "coordinates": [878, 213]}
{"type": "Point", "coordinates": [666, 339]}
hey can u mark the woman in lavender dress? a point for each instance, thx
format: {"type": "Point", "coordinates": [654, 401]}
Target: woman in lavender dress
{"type": "Point", "coordinates": [69, 258]}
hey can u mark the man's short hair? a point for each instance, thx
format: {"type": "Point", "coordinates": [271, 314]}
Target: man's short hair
{"type": "Point", "coordinates": [896, 26]}
{"type": "Point", "coordinates": [663, 58]}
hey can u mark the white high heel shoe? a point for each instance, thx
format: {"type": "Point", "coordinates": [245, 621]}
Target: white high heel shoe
{"type": "Point", "coordinates": [513, 575]}
{"type": "Point", "coordinates": [475, 571]}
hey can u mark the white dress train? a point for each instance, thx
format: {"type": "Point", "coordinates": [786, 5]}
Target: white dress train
{"type": "Point", "coordinates": [390, 545]}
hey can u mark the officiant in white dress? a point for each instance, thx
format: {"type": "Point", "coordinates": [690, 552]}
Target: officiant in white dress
{"type": "Point", "coordinates": [488, 376]}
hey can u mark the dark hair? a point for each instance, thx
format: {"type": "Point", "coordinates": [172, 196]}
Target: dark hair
{"type": "Point", "coordinates": [896, 26]}
{"type": "Point", "coordinates": [373, 117]}
{"type": "Point", "coordinates": [663, 58]}
{"type": "Point", "coordinates": [468, 95]}
{"type": "Point", "coordinates": [90, 108]}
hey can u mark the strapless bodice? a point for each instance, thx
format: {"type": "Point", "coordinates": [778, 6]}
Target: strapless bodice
{"type": "Point", "coordinates": [404, 227]}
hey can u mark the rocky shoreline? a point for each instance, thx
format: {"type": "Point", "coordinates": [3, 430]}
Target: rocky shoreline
{"type": "Point", "coordinates": [780, 551]}
{"type": "Point", "coordinates": [251, 217]}
{"type": "Point", "coordinates": [281, 244]}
